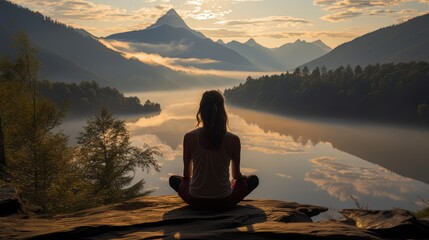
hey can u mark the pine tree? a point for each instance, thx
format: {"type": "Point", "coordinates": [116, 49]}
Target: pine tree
{"type": "Point", "coordinates": [107, 158]}
{"type": "Point", "coordinates": [37, 156]}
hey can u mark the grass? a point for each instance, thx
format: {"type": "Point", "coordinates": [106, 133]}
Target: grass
{"type": "Point", "coordinates": [424, 212]}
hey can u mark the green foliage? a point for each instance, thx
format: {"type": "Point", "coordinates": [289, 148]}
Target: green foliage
{"type": "Point", "coordinates": [108, 160]}
{"type": "Point", "coordinates": [36, 155]}
{"type": "Point", "coordinates": [86, 98]}
{"type": "Point", "coordinates": [424, 212]}
{"type": "Point", "coordinates": [40, 163]}
{"type": "Point", "coordinates": [388, 92]}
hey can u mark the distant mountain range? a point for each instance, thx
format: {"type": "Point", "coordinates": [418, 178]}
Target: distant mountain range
{"type": "Point", "coordinates": [73, 55]}
{"type": "Point", "coordinates": [171, 37]}
{"type": "Point", "coordinates": [299, 52]}
{"type": "Point", "coordinates": [403, 42]}
{"type": "Point", "coordinates": [259, 55]}
{"type": "Point", "coordinates": [285, 57]}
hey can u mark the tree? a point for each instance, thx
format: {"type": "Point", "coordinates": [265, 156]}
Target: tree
{"type": "Point", "coordinates": [305, 71]}
{"type": "Point", "coordinates": [297, 72]}
{"type": "Point", "coordinates": [107, 158]}
{"type": "Point", "coordinates": [36, 155]}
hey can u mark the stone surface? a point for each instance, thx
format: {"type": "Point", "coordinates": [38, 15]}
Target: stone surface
{"type": "Point", "coordinates": [168, 217]}
{"type": "Point", "coordinates": [396, 223]}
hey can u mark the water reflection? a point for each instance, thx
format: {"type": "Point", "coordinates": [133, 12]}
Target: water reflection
{"type": "Point", "coordinates": [401, 150]}
{"type": "Point", "coordinates": [343, 180]}
{"type": "Point", "coordinates": [298, 160]}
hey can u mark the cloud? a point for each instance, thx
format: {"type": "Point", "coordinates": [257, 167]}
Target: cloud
{"type": "Point", "coordinates": [177, 64]}
{"type": "Point", "coordinates": [151, 54]}
{"type": "Point", "coordinates": [168, 153]}
{"type": "Point", "coordinates": [252, 136]}
{"type": "Point", "coordinates": [284, 20]}
{"type": "Point", "coordinates": [283, 175]}
{"type": "Point", "coordinates": [166, 178]}
{"type": "Point", "coordinates": [341, 10]}
{"type": "Point", "coordinates": [70, 11]}
{"type": "Point", "coordinates": [358, 4]}
{"type": "Point", "coordinates": [195, 2]}
{"type": "Point", "coordinates": [330, 34]}
{"type": "Point", "coordinates": [407, 14]}
{"type": "Point", "coordinates": [248, 170]}
{"type": "Point", "coordinates": [381, 12]}
{"type": "Point", "coordinates": [341, 179]}
{"type": "Point", "coordinates": [256, 139]}
{"type": "Point", "coordinates": [207, 14]}
{"type": "Point", "coordinates": [341, 16]}
{"type": "Point", "coordinates": [154, 1]}
{"type": "Point", "coordinates": [169, 49]}
{"type": "Point", "coordinates": [223, 32]}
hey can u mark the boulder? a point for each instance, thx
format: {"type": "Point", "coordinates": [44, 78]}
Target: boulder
{"type": "Point", "coordinates": [396, 223]}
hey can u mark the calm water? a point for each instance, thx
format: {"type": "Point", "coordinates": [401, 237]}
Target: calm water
{"type": "Point", "coordinates": [307, 161]}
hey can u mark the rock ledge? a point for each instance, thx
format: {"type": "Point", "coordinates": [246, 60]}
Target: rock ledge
{"type": "Point", "coordinates": [168, 217]}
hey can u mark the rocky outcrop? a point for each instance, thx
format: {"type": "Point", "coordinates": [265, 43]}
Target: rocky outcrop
{"type": "Point", "coordinates": [396, 223]}
{"type": "Point", "coordinates": [168, 217]}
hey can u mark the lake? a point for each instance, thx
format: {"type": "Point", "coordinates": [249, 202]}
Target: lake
{"type": "Point", "coordinates": [304, 160]}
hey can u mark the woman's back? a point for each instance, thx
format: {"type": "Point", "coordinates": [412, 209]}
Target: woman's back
{"type": "Point", "coordinates": [210, 165]}
{"type": "Point", "coordinates": [208, 152]}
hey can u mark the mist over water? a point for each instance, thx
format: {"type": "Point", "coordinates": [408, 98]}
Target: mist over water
{"type": "Point", "coordinates": [307, 161]}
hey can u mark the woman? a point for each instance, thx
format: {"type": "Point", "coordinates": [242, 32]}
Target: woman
{"type": "Point", "coordinates": [208, 152]}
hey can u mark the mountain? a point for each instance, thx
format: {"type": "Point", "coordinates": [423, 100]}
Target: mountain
{"type": "Point", "coordinates": [259, 55]}
{"type": "Point", "coordinates": [295, 54]}
{"type": "Point", "coordinates": [173, 19]}
{"type": "Point", "coordinates": [84, 33]}
{"type": "Point", "coordinates": [403, 42]}
{"type": "Point", "coordinates": [322, 45]}
{"type": "Point", "coordinates": [68, 55]}
{"type": "Point", "coordinates": [171, 37]}
{"type": "Point", "coordinates": [220, 41]}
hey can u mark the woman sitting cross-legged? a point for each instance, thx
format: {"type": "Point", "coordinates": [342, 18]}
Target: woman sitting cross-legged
{"type": "Point", "coordinates": [208, 152]}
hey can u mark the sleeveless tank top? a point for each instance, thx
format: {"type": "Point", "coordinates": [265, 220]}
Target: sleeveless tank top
{"type": "Point", "coordinates": [210, 177]}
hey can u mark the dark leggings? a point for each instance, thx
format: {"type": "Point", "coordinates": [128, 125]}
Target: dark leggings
{"type": "Point", "coordinates": [240, 189]}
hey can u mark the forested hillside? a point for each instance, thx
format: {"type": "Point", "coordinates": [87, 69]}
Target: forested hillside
{"type": "Point", "coordinates": [86, 98]}
{"type": "Point", "coordinates": [389, 92]}
{"type": "Point", "coordinates": [403, 42]}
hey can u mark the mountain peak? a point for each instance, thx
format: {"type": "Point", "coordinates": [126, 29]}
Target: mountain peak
{"type": "Point", "coordinates": [220, 41]}
{"type": "Point", "coordinates": [251, 42]}
{"type": "Point", "coordinates": [172, 12]}
{"type": "Point", "coordinates": [322, 45]}
{"type": "Point", "coordinates": [172, 19]}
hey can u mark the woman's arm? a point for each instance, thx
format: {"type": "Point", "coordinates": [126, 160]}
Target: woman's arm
{"type": "Point", "coordinates": [235, 162]}
{"type": "Point", "coordinates": [187, 162]}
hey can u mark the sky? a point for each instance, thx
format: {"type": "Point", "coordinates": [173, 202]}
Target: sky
{"type": "Point", "coordinates": [270, 22]}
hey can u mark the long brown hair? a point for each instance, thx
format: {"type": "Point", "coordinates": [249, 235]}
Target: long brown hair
{"type": "Point", "coordinates": [213, 115]}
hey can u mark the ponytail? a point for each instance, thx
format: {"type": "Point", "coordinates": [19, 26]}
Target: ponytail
{"type": "Point", "coordinates": [212, 115]}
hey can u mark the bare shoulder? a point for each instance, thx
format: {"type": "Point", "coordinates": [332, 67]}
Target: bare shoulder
{"type": "Point", "coordinates": [232, 138]}
{"type": "Point", "coordinates": [190, 136]}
